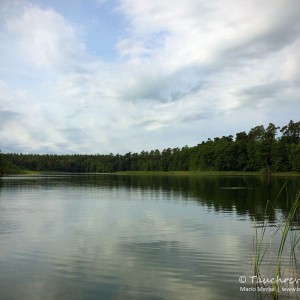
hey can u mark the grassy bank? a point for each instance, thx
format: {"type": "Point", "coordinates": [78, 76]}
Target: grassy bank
{"type": "Point", "coordinates": [160, 173]}
{"type": "Point", "coordinates": [12, 172]}
{"type": "Point", "coordinates": [203, 173]}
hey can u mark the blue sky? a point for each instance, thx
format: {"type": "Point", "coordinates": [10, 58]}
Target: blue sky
{"type": "Point", "coordinates": [100, 76]}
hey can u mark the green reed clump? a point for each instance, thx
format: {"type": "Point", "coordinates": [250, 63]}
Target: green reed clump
{"type": "Point", "coordinates": [260, 248]}
{"type": "Point", "coordinates": [286, 229]}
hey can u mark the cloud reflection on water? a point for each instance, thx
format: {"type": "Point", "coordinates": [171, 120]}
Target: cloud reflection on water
{"type": "Point", "coordinates": [116, 241]}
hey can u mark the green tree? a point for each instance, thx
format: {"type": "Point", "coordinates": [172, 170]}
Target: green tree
{"type": "Point", "coordinates": [267, 144]}
{"type": "Point", "coordinates": [241, 141]}
{"type": "Point", "coordinates": [291, 133]}
{"type": "Point", "coordinates": [2, 164]}
{"type": "Point", "coordinates": [294, 157]}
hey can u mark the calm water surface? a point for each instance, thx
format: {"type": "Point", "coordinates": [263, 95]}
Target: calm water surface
{"type": "Point", "coordinates": [121, 237]}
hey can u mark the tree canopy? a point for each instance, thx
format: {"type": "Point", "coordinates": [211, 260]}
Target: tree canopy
{"type": "Point", "coordinates": [258, 150]}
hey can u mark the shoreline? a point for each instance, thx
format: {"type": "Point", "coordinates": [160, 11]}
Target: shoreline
{"type": "Point", "coordinates": [160, 173]}
{"type": "Point", "coordinates": [206, 173]}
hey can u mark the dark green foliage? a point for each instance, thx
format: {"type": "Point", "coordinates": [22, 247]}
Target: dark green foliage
{"type": "Point", "coordinates": [258, 150]}
{"type": "Point", "coordinates": [6, 167]}
{"type": "Point", "coordinates": [2, 164]}
{"type": "Point", "coordinates": [291, 133]}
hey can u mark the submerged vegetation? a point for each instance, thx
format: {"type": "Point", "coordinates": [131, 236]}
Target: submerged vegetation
{"type": "Point", "coordinates": [259, 150]}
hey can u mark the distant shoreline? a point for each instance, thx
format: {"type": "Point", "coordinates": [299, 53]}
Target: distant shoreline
{"type": "Point", "coordinates": [160, 173]}
{"type": "Point", "coordinates": [206, 173]}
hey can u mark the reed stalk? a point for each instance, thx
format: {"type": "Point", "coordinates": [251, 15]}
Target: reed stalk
{"type": "Point", "coordinates": [286, 229]}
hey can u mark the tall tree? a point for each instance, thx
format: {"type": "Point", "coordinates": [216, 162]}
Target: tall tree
{"type": "Point", "coordinates": [291, 132]}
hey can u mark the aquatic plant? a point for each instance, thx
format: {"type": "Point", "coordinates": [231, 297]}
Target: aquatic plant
{"type": "Point", "coordinates": [283, 230]}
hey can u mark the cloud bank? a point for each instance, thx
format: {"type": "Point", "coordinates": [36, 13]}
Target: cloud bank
{"type": "Point", "coordinates": [180, 72]}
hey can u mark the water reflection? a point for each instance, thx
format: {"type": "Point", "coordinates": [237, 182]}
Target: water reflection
{"type": "Point", "coordinates": [247, 195]}
{"type": "Point", "coordinates": [120, 237]}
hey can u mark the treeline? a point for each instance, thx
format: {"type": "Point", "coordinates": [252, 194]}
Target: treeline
{"type": "Point", "coordinates": [261, 149]}
{"type": "Point", "coordinates": [6, 166]}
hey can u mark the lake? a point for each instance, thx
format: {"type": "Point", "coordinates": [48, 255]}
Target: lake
{"type": "Point", "coordinates": [134, 237]}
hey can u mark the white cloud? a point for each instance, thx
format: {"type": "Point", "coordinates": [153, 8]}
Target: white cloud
{"type": "Point", "coordinates": [183, 65]}
{"type": "Point", "coordinates": [43, 37]}
{"type": "Point", "coordinates": [197, 31]}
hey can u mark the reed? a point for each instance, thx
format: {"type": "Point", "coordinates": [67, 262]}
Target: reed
{"type": "Point", "coordinates": [260, 248]}
{"type": "Point", "coordinates": [286, 230]}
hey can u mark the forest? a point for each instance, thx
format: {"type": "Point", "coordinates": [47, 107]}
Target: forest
{"type": "Point", "coordinates": [270, 149]}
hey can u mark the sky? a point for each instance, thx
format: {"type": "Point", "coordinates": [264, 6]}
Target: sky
{"type": "Point", "coordinates": [113, 76]}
